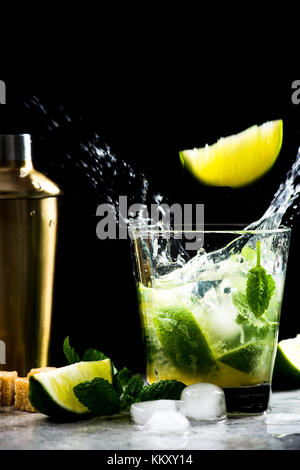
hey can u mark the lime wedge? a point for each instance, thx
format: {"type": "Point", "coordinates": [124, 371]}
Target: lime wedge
{"type": "Point", "coordinates": [237, 160]}
{"type": "Point", "coordinates": [51, 393]}
{"type": "Point", "coordinates": [182, 340]}
{"type": "Point", "coordinates": [287, 364]}
{"type": "Point", "coordinates": [244, 358]}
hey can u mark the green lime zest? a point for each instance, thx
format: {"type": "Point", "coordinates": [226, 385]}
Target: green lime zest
{"type": "Point", "coordinates": [260, 287]}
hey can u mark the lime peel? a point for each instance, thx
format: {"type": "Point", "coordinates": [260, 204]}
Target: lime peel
{"type": "Point", "coordinates": [51, 393]}
{"type": "Point", "coordinates": [287, 364]}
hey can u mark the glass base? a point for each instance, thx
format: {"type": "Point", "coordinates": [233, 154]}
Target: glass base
{"type": "Point", "coordinates": [247, 401]}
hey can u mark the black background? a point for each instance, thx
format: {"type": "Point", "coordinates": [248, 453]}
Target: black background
{"type": "Point", "coordinates": [145, 118]}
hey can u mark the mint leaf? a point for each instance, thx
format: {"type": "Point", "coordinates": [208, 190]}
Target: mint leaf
{"type": "Point", "coordinates": [132, 391]}
{"type": "Point", "coordinates": [93, 355]}
{"type": "Point", "coordinates": [253, 327]}
{"type": "Point", "coordinates": [163, 390]}
{"type": "Point", "coordinates": [258, 291]}
{"type": "Point", "coordinates": [99, 396]}
{"type": "Point", "coordinates": [240, 301]}
{"type": "Point", "coordinates": [260, 288]}
{"type": "Point", "coordinates": [121, 380]}
{"type": "Point", "coordinates": [71, 356]}
{"type": "Point", "coordinates": [271, 284]}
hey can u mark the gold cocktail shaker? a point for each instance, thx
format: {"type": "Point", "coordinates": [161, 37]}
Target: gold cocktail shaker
{"type": "Point", "coordinates": [28, 229]}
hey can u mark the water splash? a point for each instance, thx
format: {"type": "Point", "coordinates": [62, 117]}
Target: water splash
{"type": "Point", "coordinates": [284, 198]}
{"type": "Point", "coordinates": [111, 177]}
{"type": "Point", "coordinates": [107, 176]}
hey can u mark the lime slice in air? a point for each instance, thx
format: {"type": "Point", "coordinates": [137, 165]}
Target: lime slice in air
{"type": "Point", "coordinates": [51, 393]}
{"type": "Point", "coordinates": [182, 340]}
{"type": "Point", "coordinates": [237, 160]}
{"type": "Point", "coordinates": [287, 364]}
{"type": "Point", "coordinates": [244, 358]}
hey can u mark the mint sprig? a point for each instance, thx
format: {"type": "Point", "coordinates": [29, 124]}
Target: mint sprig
{"type": "Point", "coordinates": [105, 399]}
{"type": "Point", "coordinates": [102, 398]}
{"type": "Point", "coordinates": [260, 287]}
{"type": "Point", "coordinates": [132, 391]}
{"type": "Point", "coordinates": [89, 355]}
{"type": "Point", "coordinates": [163, 390]}
{"type": "Point", "coordinates": [92, 354]}
{"type": "Point", "coordinates": [71, 356]}
{"type": "Point", "coordinates": [99, 396]}
{"type": "Point", "coordinates": [121, 379]}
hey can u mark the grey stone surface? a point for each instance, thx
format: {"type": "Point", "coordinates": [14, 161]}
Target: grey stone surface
{"type": "Point", "coordinates": [277, 430]}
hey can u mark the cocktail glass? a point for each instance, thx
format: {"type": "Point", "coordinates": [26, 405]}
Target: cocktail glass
{"type": "Point", "coordinates": [212, 314]}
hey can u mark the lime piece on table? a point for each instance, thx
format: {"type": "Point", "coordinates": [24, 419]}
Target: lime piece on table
{"type": "Point", "coordinates": [244, 358]}
{"type": "Point", "coordinates": [287, 364]}
{"type": "Point", "coordinates": [51, 393]}
{"type": "Point", "coordinates": [237, 160]}
{"type": "Point", "coordinates": [182, 340]}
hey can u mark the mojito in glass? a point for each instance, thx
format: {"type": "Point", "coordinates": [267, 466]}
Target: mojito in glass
{"type": "Point", "coordinates": [213, 315]}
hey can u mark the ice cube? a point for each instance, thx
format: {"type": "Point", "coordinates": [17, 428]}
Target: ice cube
{"type": "Point", "coordinates": [203, 402]}
{"type": "Point", "coordinates": [140, 413]}
{"type": "Point", "coordinates": [201, 287]}
{"type": "Point", "coordinates": [219, 314]}
{"type": "Point", "coordinates": [167, 422]}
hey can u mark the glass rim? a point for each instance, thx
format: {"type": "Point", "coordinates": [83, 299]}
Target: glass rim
{"type": "Point", "coordinates": [154, 230]}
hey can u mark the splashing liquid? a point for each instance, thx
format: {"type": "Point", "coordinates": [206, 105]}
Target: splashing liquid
{"type": "Point", "coordinates": [286, 195]}
{"type": "Point", "coordinates": [103, 169]}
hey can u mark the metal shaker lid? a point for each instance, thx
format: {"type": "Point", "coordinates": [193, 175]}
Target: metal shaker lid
{"type": "Point", "coordinates": [15, 148]}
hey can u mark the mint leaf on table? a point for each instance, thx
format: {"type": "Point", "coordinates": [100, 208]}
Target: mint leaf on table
{"type": "Point", "coordinates": [163, 390]}
{"type": "Point", "coordinates": [99, 396]}
{"type": "Point", "coordinates": [71, 355]}
{"type": "Point", "coordinates": [121, 379]}
{"type": "Point", "coordinates": [93, 355]}
{"type": "Point", "coordinates": [260, 288]}
{"type": "Point", "coordinates": [104, 399]}
{"type": "Point", "coordinates": [132, 391]}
